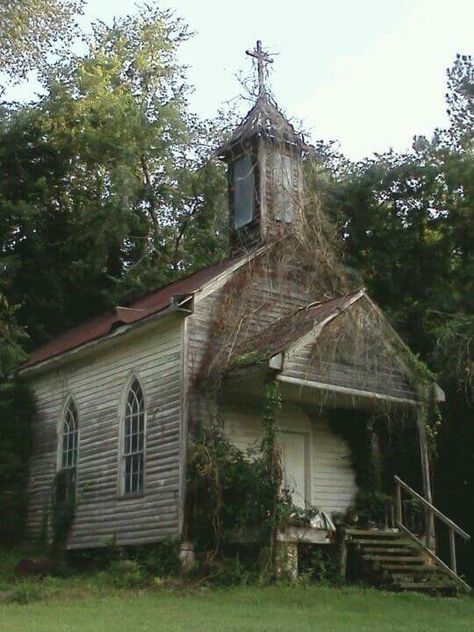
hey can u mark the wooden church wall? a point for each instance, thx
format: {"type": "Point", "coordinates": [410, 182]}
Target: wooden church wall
{"type": "Point", "coordinates": [330, 476]}
{"type": "Point", "coordinates": [98, 386]}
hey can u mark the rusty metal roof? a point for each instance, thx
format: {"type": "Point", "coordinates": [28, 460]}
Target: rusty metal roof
{"type": "Point", "coordinates": [101, 326]}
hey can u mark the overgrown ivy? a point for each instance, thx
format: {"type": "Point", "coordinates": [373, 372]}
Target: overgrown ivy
{"type": "Point", "coordinates": [16, 421]}
{"type": "Point", "coordinates": [235, 495]}
{"type": "Point", "coordinates": [64, 508]}
{"type": "Point", "coordinates": [380, 447]}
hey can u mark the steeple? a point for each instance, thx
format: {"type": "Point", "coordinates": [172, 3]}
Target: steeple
{"type": "Point", "coordinates": [265, 179]}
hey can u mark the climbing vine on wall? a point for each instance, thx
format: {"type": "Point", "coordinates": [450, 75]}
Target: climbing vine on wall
{"type": "Point", "coordinates": [235, 495]}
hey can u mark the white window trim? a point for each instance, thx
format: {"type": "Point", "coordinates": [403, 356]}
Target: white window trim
{"type": "Point", "coordinates": [122, 494]}
{"type": "Point", "coordinates": [60, 434]}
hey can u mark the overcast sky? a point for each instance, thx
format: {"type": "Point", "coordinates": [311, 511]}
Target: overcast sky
{"type": "Point", "coordinates": [369, 73]}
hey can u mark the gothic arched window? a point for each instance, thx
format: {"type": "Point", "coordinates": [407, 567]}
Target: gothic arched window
{"type": "Point", "coordinates": [69, 437]}
{"type": "Point", "coordinates": [133, 440]}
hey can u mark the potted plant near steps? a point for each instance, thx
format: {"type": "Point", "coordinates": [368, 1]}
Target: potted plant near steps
{"type": "Point", "coordinates": [371, 508]}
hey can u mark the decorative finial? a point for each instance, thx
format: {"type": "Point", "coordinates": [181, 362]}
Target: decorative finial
{"type": "Point", "coordinates": [262, 58]}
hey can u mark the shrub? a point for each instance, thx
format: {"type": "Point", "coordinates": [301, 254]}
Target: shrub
{"type": "Point", "coordinates": [25, 592]}
{"type": "Point", "coordinates": [127, 574]}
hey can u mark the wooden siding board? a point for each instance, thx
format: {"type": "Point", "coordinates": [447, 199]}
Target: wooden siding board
{"type": "Point", "coordinates": [97, 385]}
{"type": "Point", "coordinates": [332, 479]}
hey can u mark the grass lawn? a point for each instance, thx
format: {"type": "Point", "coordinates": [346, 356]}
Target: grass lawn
{"type": "Point", "coordinates": [275, 608]}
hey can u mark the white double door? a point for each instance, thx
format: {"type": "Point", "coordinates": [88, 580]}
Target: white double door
{"type": "Point", "coordinates": [294, 454]}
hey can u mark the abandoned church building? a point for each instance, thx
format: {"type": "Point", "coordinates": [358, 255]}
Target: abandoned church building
{"type": "Point", "coordinates": [121, 399]}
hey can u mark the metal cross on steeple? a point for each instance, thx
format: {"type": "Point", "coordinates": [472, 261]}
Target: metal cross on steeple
{"type": "Point", "coordinates": [262, 58]}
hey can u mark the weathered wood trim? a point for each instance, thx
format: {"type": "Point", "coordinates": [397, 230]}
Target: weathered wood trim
{"type": "Point", "coordinates": [313, 335]}
{"type": "Point", "coordinates": [183, 434]}
{"type": "Point", "coordinates": [346, 391]}
{"type": "Point", "coordinates": [426, 478]}
{"type": "Point", "coordinates": [304, 534]}
{"type": "Point", "coordinates": [219, 281]}
{"type": "Point", "coordinates": [134, 374]}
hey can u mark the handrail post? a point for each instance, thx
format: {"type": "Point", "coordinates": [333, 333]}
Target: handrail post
{"type": "Point", "coordinates": [452, 547]}
{"type": "Point", "coordinates": [398, 496]}
{"type": "Point", "coordinates": [426, 477]}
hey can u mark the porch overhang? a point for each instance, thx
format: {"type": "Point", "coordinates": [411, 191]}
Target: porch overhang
{"type": "Point", "coordinates": [336, 396]}
{"type": "Point", "coordinates": [251, 382]}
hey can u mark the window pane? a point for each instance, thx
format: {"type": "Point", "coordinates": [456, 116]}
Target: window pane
{"type": "Point", "coordinates": [244, 191]}
{"type": "Point", "coordinates": [133, 445]}
{"type": "Point", "coordinates": [69, 443]}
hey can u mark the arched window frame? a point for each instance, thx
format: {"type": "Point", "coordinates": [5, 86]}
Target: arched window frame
{"type": "Point", "coordinates": [132, 436]}
{"type": "Point", "coordinates": [68, 454]}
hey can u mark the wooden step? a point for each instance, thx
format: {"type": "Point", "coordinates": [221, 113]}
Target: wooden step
{"type": "Point", "coordinates": [393, 561]}
{"type": "Point", "coordinates": [379, 542]}
{"type": "Point", "coordinates": [426, 571]}
{"type": "Point", "coordinates": [391, 550]}
{"type": "Point", "coordinates": [410, 559]}
{"type": "Point", "coordinates": [432, 588]}
{"type": "Point", "coordinates": [373, 533]}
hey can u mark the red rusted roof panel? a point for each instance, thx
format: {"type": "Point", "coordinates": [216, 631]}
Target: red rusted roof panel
{"type": "Point", "coordinates": [101, 325]}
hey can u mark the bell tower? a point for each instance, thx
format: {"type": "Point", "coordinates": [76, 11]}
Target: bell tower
{"type": "Point", "coordinates": [265, 177]}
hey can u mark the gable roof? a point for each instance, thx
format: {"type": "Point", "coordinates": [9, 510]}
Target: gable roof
{"type": "Point", "coordinates": [151, 303]}
{"type": "Point", "coordinates": [288, 329]}
{"type": "Point", "coordinates": [302, 344]}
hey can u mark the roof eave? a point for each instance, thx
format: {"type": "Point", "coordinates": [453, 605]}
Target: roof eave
{"type": "Point", "coordinates": [80, 351]}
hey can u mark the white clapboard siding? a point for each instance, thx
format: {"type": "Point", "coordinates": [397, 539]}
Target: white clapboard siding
{"type": "Point", "coordinates": [98, 383]}
{"type": "Point", "coordinates": [331, 476]}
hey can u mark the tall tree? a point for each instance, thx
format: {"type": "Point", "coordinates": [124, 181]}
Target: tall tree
{"type": "Point", "coordinates": [107, 187]}
{"type": "Point", "coordinates": [32, 29]}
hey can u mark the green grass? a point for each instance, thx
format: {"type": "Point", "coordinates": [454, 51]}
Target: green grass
{"type": "Point", "coordinates": [76, 606]}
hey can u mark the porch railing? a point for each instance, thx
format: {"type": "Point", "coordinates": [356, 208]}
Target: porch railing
{"type": "Point", "coordinates": [431, 513]}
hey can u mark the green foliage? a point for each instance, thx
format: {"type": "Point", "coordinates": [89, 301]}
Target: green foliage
{"type": "Point", "coordinates": [372, 506]}
{"type": "Point", "coordinates": [25, 592]}
{"type": "Point", "coordinates": [127, 574]}
{"type": "Point", "coordinates": [232, 493]}
{"type": "Point", "coordinates": [12, 339]}
{"type": "Point", "coordinates": [318, 563]}
{"type": "Point", "coordinates": [353, 426]}
{"type": "Point", "coordinates": [64, 507]}
{"type": "Point", "coordinates": [16, 420]}
{"type": "Point", "coordinates": [117, 193]}
{"type": "Point", "coordinates": [32, 29]}
{"type": "Point", "coordinates": [158, 560]}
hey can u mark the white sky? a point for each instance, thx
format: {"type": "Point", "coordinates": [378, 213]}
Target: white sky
{"type": "Point", "coordinates": [369, 73]}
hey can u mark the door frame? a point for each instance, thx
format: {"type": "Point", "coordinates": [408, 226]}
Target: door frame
{"type": "Point", "coordinates": [308, 454]}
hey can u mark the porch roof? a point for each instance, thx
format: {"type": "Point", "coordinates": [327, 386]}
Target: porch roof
{"type": "Point", "coordinates": [290, 328]}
